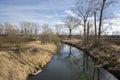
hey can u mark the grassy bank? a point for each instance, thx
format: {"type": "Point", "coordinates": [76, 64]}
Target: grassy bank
{"type": "Point", "coordinates": [107, 55]}
{"type": "Point", "coordinates": [33, 56]}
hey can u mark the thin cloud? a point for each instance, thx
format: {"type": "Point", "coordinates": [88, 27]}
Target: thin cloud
{"type": "Point", "coordinates": [118, 15]}
{"type": "Point", "coordinates": [71, 13]}
{"type": "Point", "coordinates": [59, 22]}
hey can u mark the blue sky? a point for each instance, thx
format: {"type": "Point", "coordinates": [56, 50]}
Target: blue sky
{"type": "Point", "coordinates": [43, 11]}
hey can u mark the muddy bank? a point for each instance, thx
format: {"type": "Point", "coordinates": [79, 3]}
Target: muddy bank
{"type": "Point", "coordinates": [33, 56]}
{"type": "Point", "coordinates": [107, 55]}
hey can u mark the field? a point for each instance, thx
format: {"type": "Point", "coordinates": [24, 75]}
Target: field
{"type": "Point", "coordinates": [21, 56]}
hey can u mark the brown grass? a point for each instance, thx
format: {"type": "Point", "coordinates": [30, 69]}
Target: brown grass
{"type": "Point", "coordinates": [18, 66]}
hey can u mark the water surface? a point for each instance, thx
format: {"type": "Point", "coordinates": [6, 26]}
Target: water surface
{"type": "Point", "coordinates": [72, 64]}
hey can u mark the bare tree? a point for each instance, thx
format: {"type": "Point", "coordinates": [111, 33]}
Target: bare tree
{"type": "Point", "coordinates": [95, 8]}
{"type": "Point", "coordinates": [95, 24]}
{"type": "Point", "coordinates": [88, 29]}
{"type": "Point", "coordinates": [29, 28]}
{"type": "Point", "coordinates": [83, 10]}
{"type": "Point", "coordinates": [117, 33]}
{"type": "Point", "coordinates": [10, 30]}
{"type": "Point", "coordinates": [71, 23]}
{"type": "Point", "coordinates": [101, 16]}
{"type": "Point", "coordinates": [58, 28]}
{"type": "Point", "coordinates": [46, 33]}
{"type": "Point", "coordinates": [103, 4]}
{"type": "Point", "coordinates": [1, 29]}
{"type": "Point", "coordinates": [98, 8]}
{"type": "Point", "coordinates": [90, 32]}
{"type": "Point", "coordinates": [25, 28]}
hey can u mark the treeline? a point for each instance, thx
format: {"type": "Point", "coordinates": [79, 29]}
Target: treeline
{"type": "Point", "coordinates": [27, 31]}
{"type": "Point", "coordinates": [25, 28]}
{"type": "Point", "coordinates": [85, 9]}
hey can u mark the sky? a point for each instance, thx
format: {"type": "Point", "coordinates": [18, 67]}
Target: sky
{"type": "Point", "coordinates": [42, 11]}
{"type": "Point", "coordinates": [46, 11]}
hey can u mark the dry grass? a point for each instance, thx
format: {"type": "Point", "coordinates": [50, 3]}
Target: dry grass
{"type": "Point", "coordinates": [75, 41]}
{"type": "Point", "coordinates": [18, 66]}
{"type": "Point", "coordinates": [12, 68]}
{"type": "Point", "coordinates": [116, 47]}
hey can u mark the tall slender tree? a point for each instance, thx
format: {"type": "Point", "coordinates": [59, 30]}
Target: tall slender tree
{"type": "Point", "coordinates": [58, 28]}
{"type": "Point", "coordinates": [103, 4]}
{"type": "Point", "coordinates": [83, 10]}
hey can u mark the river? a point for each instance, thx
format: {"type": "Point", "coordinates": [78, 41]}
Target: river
{"type": "Point", "coordinates": [72, 64]}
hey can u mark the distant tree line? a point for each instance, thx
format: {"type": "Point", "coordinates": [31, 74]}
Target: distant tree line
{"type": "Point", "coordinates": [28, 30]}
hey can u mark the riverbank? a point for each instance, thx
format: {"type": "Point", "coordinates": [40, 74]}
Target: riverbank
{"type": "Point", "coordinates": [107, 55]}
{"type": "Point", "coordinates": [33, 56]}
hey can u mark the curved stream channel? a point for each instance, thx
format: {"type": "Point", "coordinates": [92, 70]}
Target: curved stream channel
{"type": "Point", "coordinates": [72, 64]}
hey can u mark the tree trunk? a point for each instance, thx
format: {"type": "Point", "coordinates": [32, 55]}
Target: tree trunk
{"type": "Point", "coordinates": [95, 24]}
{"type": "Point", "coordinates": [70, 33]}
{"type": "Point", "coordinates": [100, 23]}
{"type": "Point", "coordinates": [87, 33]}
{"type": "Point", "coordinates": [35, 31]}
{"type": "Point", "coordinates": [84, 32]}
{"type": "Point", "coordinates": [84, 27]}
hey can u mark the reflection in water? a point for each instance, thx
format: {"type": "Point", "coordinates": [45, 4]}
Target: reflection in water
{"type": "Point", "coordinates": [72, 64]}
